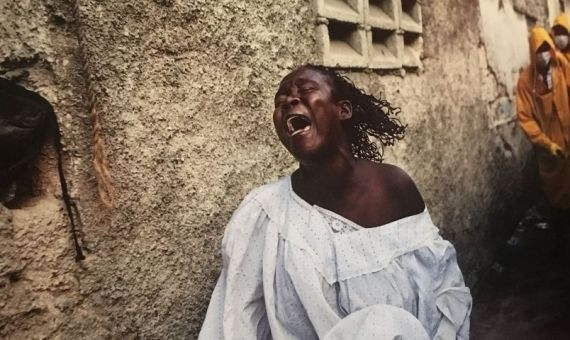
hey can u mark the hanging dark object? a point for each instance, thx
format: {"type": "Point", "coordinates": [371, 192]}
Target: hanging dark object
{"type": "Point", "coordinates": [26, 122]}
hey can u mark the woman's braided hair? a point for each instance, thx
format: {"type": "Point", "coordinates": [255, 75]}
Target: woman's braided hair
{"type": "Point", "coordinates": [370, 117]}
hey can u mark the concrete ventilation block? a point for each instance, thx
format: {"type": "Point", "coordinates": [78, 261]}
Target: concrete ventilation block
{"type": "Point", "coordinates": [411, 17]}
{"type": "Point", "coordinates": [346, 45]}
{"type": "Point", "coordinates": [382, 14]}
{"type": "Point", "coordinates": [379, 34]}
{"type": "Point", "coordinates": [386, 49]}
{"type": "Point", "coordinates": [412, 49]}
{"type": "Point", "coordinates": [341, 10]}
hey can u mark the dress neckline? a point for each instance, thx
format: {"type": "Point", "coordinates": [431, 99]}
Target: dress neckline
{"type": "Point", "coordinates": [331, 213]}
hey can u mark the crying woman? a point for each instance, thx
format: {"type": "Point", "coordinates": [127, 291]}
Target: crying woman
{"type": "Point", "coordinates": [344, 247]}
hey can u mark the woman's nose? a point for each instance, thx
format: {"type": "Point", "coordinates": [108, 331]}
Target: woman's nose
{"type": "Point", "coordinates": [292, 102]}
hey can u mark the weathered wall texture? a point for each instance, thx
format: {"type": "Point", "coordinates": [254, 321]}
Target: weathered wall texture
{"type": "Point", "coordinates": [504, 33]}
{"type": "Point", "coordinates": [535, 10]}
{"type": "Point", "coordinates": [40, 285]}
{"type": "Point", "coordinates": [186, 93]}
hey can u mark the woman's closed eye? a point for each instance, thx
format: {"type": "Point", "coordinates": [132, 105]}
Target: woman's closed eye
{"type": "Point", "coordinates": [306, 89]}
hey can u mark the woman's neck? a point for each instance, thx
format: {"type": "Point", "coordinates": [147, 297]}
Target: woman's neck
{"type": "Point", "coordinates": [318, 182]}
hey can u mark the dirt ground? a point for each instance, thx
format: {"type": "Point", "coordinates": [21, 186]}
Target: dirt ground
{"type": "Point", "coordinates": [526, 295]}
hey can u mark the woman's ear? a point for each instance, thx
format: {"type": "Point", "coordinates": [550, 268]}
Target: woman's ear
{"type": "Point", "coordinates": [345, 109]}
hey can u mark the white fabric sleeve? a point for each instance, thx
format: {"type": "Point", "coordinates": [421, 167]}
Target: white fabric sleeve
{"type": "Point", "coordinates": [453, 298]}
{"type": "Point", "coordinates": [378, 322]}
{"type": "Point", "coordinates": [237, 306]}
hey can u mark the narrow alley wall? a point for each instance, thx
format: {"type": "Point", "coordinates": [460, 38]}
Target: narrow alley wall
{"type": "Point", "coordinates": [185, 93]}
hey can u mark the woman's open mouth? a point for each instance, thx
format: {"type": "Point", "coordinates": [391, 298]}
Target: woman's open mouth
{"type": "Point", "coordinates": [297, 123]}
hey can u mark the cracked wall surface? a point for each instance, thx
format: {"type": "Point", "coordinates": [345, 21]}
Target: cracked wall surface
{"type": "Point", "coordinates": [185, 91]}
{"type": "Point", "coordinates": [504, 35]}
{"type": "Point", "coordinates": [504, 38]}
{"type": "Point", "coordinates": [535, 9]}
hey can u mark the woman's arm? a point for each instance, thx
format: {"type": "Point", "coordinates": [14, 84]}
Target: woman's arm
{"type": "Point", "coordinates": [237, 306]}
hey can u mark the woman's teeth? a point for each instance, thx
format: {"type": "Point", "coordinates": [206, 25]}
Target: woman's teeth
{"type": "Point", "coordinates": [297, 124]}
{"type": "Point", "coordinates": [301, 130]}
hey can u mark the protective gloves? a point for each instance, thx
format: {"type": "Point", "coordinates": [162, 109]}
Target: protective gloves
{"type": "Point", "coordinates": [557, 151]}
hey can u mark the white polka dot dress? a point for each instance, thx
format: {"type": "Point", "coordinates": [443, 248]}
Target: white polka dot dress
{"type": "Point", "coordinates": [297, 271]}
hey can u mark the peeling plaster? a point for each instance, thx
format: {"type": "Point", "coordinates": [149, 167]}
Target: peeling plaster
{"type": "Point", "coordinates": [504, 37]}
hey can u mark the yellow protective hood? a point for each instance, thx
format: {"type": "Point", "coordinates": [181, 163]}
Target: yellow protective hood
{"type": "Point", "coordinates": [562, 21]}
{"type": "Point", "coordinates": [544, 115]}
{"type": "Point", "coordinates": [538, 36]}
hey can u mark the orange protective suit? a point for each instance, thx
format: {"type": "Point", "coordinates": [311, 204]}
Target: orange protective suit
{"type": "Point", "coordinates": [563, 21]}
{"type": "Point", "coordinates": [544, 116]}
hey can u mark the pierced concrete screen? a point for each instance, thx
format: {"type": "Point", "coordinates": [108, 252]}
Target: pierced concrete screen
{"type": "Point", "coordinates": [347, 43]}
{"type": "Point", "coordinates": [383, 14]}
{"type": "Point", "coordinates": [343, 10]}
{"type": "Point", "coordinates": [380, 34]}
{"type": "Point", "coordinates": [411, 25]}
{"type": "Point", "coordinates": [386, 52]}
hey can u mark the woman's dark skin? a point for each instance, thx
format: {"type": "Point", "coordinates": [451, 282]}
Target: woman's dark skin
{"type": "Point", "coordinates": [367, 193]}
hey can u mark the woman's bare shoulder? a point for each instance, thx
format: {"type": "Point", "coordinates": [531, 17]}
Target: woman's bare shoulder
{"type": "Point", "coordinates": [401, 188]}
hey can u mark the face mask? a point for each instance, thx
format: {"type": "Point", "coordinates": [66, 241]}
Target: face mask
{"type": "Point", "coordinates": [561, 41]}
{"type": "Point", "coordinates": [543, 59]}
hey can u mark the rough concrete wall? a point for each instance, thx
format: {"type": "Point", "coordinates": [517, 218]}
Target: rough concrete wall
{"type": "Point", "coordinates": [535, 9]}
{"type": "Point", "coordinates": [469, 171]}
{"type": "Point", "coordinates": [504, 34]}
{"type": "Point", "coordinates": [554, 9]}
{"type": "Point", "coordinates": [186, 94]}
{"type": "Point", "coordinates": [185, 89]}
{"type": "Point", "coordinates": [40, 289]}
{"type": "Point", "coordinates": [566, 6]}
